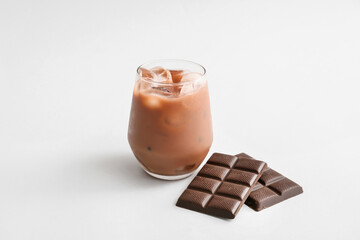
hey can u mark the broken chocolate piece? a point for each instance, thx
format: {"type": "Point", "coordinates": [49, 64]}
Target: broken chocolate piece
{"type": "Point", "coordinates": [272, 188]}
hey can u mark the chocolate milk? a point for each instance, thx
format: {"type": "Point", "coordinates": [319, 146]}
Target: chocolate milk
{"type": "Point", "coordinates": [170, 130]}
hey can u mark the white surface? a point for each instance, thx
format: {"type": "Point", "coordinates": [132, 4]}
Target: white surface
{"type": "Point", "coordinates": [284, 80]}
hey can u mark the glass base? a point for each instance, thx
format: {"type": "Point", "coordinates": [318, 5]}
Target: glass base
{"type": "Point", "coordinates": [167, 177]}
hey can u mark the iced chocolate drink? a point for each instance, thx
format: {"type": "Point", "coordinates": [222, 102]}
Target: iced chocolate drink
{"type": "Point", "coordinates": [170, 130]}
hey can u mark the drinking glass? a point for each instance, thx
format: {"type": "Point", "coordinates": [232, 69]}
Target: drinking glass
{"type": "Point", "coordinates": [170, 129]}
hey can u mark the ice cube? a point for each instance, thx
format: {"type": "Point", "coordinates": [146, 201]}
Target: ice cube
{"type": "Point", "coordinates": [187, 88]}
{"type": "Point", "coordinates": [154, 76]}
{"type": "Point", "coordinates": [190, 76]}
{"type": "Point", "coordinates": [144, 87]}
{"type": "Point", "coordinates": [161, 75]}
{"type": "Point", "coordinates": [146, 73]}
{"type": "Point", "coordinates": [191, 82]}
{"type": "Point", "coordinates": [151, 101]}
{"type": "Point", "coordinates": [177, 75]}
{"type": "Point", "coordinates": [164, 91]}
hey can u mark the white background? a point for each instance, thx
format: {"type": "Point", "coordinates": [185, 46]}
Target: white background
{"type": "Point", "coordinates": [284, 84]}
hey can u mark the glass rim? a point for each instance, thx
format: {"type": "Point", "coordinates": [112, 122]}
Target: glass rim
{"type": "Point", "coordinates": [203, 73]}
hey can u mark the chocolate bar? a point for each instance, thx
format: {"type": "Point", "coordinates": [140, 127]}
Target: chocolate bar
{"type": "Point", "coordinates": [222, 185]}
{"type": "Point", "coordinates": [272, 188]}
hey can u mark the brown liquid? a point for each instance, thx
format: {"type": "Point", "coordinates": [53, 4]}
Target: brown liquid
{"type": "Point", "coordinates": [170, 135]}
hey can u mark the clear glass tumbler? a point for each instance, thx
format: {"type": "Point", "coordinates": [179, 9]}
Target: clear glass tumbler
{"type": "Point", "coordinates": [170, 129]}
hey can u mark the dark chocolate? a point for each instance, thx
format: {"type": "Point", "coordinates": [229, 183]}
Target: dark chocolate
{"type": "Point", "coordinates": [222, 185]}
{"type": "Point", "coordinates": [272, 188]}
